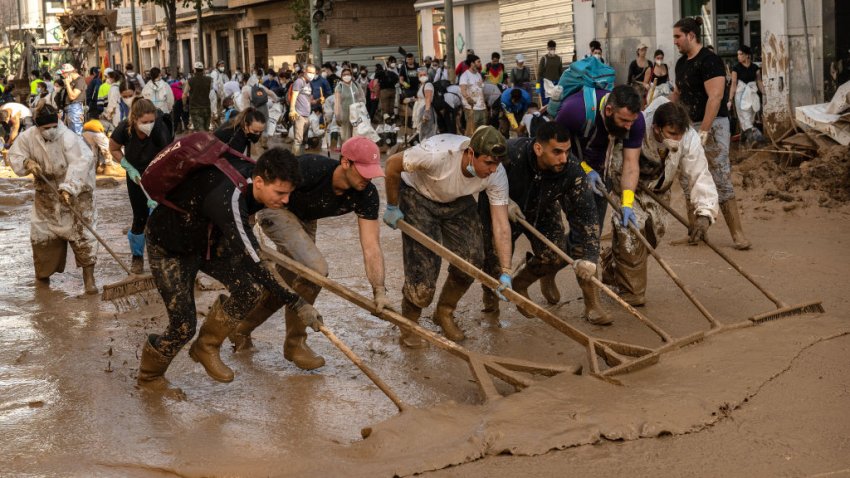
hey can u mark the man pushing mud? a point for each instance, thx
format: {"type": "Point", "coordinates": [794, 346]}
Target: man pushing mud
{"type": "Point", "coordinates": [430, 186]}
{"type": "Point", "coordinates": [214, 236]}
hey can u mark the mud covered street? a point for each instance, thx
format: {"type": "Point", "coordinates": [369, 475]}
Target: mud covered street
{"type": "Point", "coordinates": [771, 400]}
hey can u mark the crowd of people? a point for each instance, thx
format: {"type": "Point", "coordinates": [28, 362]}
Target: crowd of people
{"type": "Point", "coordinates": [467, 191]}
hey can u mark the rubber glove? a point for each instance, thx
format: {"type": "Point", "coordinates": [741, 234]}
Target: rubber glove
{"type": "Point", "coordinates": [597, 185]}
{"type": "Point", "coordinates": [307, 314]}
{"type": "Point", "coordinates": [132, 173]}
{"type": "Point", "coordinates": [66, 197]}
{"type": "Point", "coordinates": [152, 205]}
{"type": "Point", "coordinates": [504, 283]}
{"type": "Point", "coordinates": [585, 270]}
{"type": "Point", "coordinates": [512, 120]}
{"type": "Point", "coordinates": [514, 211]}
{"type": "Point", "coordinates": [628, 217]}
{"type": "Point", "coordinates": [703, 137]}
{"type": "Point", "coordinates": [380, 297]}
{"type": "Point", "coordinates": [699, 230]}
{"type": "Point", "coordinates": [392, 215]}
{"type": "Point", "coordinates": [32, 166]}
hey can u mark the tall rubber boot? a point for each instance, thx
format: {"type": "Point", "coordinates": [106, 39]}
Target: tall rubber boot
{"type": "Point", "coordinates": [295, 348]}
{"type": "Point", "coordinates": [206, 348]}
{"type": "Point", "coordinates": [266, 306]}
{"type": "Point", "coordinates": [152, 367]}
{"type": "Point", "coordinates": [412, 313]}
{"type": "Point", "coordinates": [521, 283]}
{"type": "Point", "coordinates": [626, 267]}
{"type": "Point", "coordinates": [692, 216]}
{"type": "Point", "coordinates": [549, 289]}
{"type": "Point", "coordinates": [593, 311]}
{"type": "Point", "coordinates": [733, 221]}
{"type": "Point", "coordinates": [48, 257]}
{"type": "Point", "coordinates": [137, 248]}
{"type": "Point", "coordinates": [452, 291]}
{"type": "Point", "coordinates": [88, 280]}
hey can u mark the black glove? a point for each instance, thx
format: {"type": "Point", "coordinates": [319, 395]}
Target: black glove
{"type": "Point", "coordinates": [307, 314]}
{"type": "Point", "coordinates": [699, 229]}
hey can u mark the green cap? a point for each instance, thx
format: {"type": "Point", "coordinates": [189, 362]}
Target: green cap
{"type": "Point", "coordinates": [488, 141]}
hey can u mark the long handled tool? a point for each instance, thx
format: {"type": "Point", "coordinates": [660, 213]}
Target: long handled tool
{"type": "Point", "coordinates": [133, 284]}
{"type": "Point", "coordinates": [610, 293]}
{"type": "Point", "coordinates": [366, 370]}
{"type": "Point", "coordinates": [664, 265]}
{"type": "Point", "coordinates": [782, 308]}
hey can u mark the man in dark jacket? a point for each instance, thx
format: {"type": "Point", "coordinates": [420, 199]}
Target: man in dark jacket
{"type": "Point", "coordinates": [197, 95]}
{"type": "Point", "coordinates": [545, 179]}
{"type": "Point", "coordinates": [214, 237]}
{"type": "Point", "coordinates": [91, 93]}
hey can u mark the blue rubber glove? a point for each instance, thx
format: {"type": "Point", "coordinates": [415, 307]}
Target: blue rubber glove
{"type": "Point", "coordinates": [504, 283]}
{"type": "Point", "coordinates": [392, 215]}
{"type": "Point", "coordinates": [132, 172]}
{"type": "Point", "coordinates": [629, 216]}
{"type": "Point", "coordinates": [597, 185]}
{"type": "Point", "coordinates": [152, 205]}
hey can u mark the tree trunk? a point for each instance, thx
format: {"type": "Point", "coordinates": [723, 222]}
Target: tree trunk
{"type": "Point", "coordinates": [171, 36]}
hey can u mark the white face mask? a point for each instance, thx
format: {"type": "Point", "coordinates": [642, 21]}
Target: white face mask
{"type": "Point", "coordinates": [658, 61]}
{"type": "Point", "coordinates": [51, 134]}
{"type": "Point", "coordinates": [311, 76]}
{"type": "Point", "coordinates": [145, 128]}
{"type": "Point", "coordinates": [346, 78]}
{"type": "Point", "coordinates": [127, 101]}
{"type": "Point", "coordinates": [551, 51]}
{"type": "Point", "coordinates": [598, 56]}
{"type": "Point", "coordinates": [221, 69]}
{"type": "Point", "coordinates": [324, 74]}
{"type": "Point", "coordinates": [423, 79]}
{"type": "Point", "coordinates": [672, 145]}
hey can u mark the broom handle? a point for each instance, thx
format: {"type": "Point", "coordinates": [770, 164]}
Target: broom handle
{"type": "Point", "coordinates": [714, 248]}
{"type": "Point", "coordinates": [85, 223]}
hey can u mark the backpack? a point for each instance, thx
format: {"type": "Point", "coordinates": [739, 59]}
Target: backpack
{"type": "Point", "coordinates": [585, 75]}
{"type": "Point", "coordinates": [133, 82]}
{"type": "Point", "coordinates": [259, 98]}
{"type": "Point", "coordinates": [180, 159]}
{"type": "Point", "coordinates": [537, 121]}
{"type": "Point", "coordinates": [441, 89]}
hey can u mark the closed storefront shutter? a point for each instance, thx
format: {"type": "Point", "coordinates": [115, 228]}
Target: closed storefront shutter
{"type": "Point", "coordinates": [526, 26]}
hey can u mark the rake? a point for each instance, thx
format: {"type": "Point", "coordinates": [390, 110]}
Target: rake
{"type": "Point", "coordinates": [782, 308]}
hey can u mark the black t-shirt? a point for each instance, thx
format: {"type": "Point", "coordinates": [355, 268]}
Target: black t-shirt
{"type": "Point", "coordinates": [387, 79]}
{"type": "Point", "coordinates": [747, 74]}
{"type": "Point", "coordinates": [315, 199]}
{"type": "Point", "coordinates": [140, 152]}
{"type": "Point", "coordinates": [235, 138]}
{"type": "Point", "coordinates": [637, 72]}
{"type": "Point", "coordinates": [691, 76]}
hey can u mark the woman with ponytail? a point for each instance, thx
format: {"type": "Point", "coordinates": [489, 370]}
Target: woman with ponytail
{"type": "Point", "coordinates": [134, 143]}
{"type": "Point", "coordinates": [243, 130]}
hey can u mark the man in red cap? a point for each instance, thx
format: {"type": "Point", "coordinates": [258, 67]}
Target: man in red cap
{"type": "Point", "coordinates": [329, 188]}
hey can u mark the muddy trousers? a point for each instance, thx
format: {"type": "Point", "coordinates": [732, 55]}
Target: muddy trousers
{"type": "Point", "coordinates": [50, 251]}
{"type": "Point", "coordinates": [456, 226]}
{"type": "Point", "coordinates": [624, 265]}
{"type": "Point", "coordinates": [175, 280]}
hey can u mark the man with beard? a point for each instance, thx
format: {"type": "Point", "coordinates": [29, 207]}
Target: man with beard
{"type": "Point", "coordinates": [618, 122]}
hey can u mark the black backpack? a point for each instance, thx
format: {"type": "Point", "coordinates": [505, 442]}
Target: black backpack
{"type": "Point", "coordinates": [259, 98]}
{"type": "Point", "coordinates": [134, 84]}
{"type": "Point", "coordinates": [441, 89]}
{"type": "Point", "coordinates": [537, 121]}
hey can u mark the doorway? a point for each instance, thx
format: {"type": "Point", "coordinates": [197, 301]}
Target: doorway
{"type": "Point", "coordinates": [261, 51]}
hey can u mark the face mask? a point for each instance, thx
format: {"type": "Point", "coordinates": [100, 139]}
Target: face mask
{"type": "Point", "coordinates": [658, 61]}
{"type": "Point", "coordinates": [50, 135]}
{"type": "Point", "coordinates": [470, 168]}
{"type": "Point", "coordinates": [297, 69]}
{"type": "Point", "coordinates": [221, 69]}
{"type": "Point", "coordinates": [253, 137]}
{"type": "Point", "coordinates": [127, 101]}
{"type": "Point", "coordinates": [551, 51]}
{"type": "Point", "coordinates": [324, 74]}
{"type": "Point", "coordinates": [145, 128]}
{"type": "Point", "coordinates": [363, 74]}
{"type": "Point", "coordinates": [671, 144]}
{"type": "Point", "coordinates": [346, 78]}
{"type": "Point", "coordinates": [427, 65]}
{"type": "Point", "coordinates": [598, 56]}
{"type": "Point", "coordinates": [392, 65]}
{"type": "Point", "coordinates": [423, 79]}
{"type": "Point", "coordinates": [311, 76]}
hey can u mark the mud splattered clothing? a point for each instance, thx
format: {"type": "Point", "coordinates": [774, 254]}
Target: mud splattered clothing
{"type": "Point", "coordinates": [68, 163]}
{"type": "Point", "coordinates": [437, 199]}
{"type": "Point", "coordinates": [214, 237]}
{"type": "Point", "coordinates": [315, 199]}
{"type": "Point", "coordinates": [542, 195]}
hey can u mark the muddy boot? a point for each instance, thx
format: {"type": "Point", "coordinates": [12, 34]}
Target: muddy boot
{"type": "Point", "coordinates": [48, 258]}
{"type": "Point", "coordinates": [152, 367]}
{"type": "Point", "coordinates": [266, 306]}
{"type": "Point", "coordinates": [411, 313]}
{"type": "Point", "coordinates": [452, 291]}
{"type": "Point", "coordinates": [137, 266]}
{"type": "Point", "coordinates": [112, 169]}
{"type": "Point", "coordinates": [549, 289]}
{"type": "Point", "coordinates": [88, 280]}
{"type": "Point", "coordinates": [593, 311]}
{"type": "Point", "coordinates": [490, 302]}
{"type": "Point", "coordinates": [691, 220]}
{"type": "Point", "coordinates": [295, 348]}
{"type": "Point", "coordinates": [733, 221]}
{"type": "Point", "coordinates": [207, 347]}
{"type": "Point", "coordinates": [521, 283]}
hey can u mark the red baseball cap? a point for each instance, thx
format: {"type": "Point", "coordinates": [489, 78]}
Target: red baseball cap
{"type": "Point", "coordinates": [365, 155]}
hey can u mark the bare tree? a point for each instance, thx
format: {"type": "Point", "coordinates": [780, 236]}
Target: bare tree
{"type": "Point", "coordinates": [170, 9]}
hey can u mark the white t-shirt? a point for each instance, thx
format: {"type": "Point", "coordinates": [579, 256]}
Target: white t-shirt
{"type": "Point", "coordinates": [474, 83]}
{"type": "Point", "coordinates": [17, 108]}
{"type": "Point", "coordinates": [526, 120]}
{"type": "Point", "coordinates": [452, 96]}
{"type": "Point", "coordinates": [433, 168]}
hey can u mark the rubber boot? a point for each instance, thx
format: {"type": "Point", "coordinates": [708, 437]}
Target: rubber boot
{"type": "Point", "coordinates": [266, 306]}
{"type": "Point", "coordinates": [207, 347]}
{"type": "Point", "coordinates": [48, 257]}
{"type": "Point", "coordinates": [411, 313]}
{"type": "Point", "coordinates": [295, 348]}
{"type": "Point", "coordinates": [733, 221]}
{"type": "Point", "coordinates": [88, 280]}
{"type": "Point", "coordinates": [549, 289]}
{"type": "Point", "coordinates": [452, 291]}
{"type": "Point", "coordinates": [152, 367]}
{"type": "Point", "coordinates": [521, 283]}
{"type": "Point", "coordinates": [137, 266]}
{"type": "Point", "coordinates": [112, 169]}
{"type": "Point", "coordinates": [692, 216]}
{"type": "Point", "coordinates": [624, 266]}
{"type": "Point", "coordinates": [490, 302]}
{"type": "Point", "coordinates": [593, 311]}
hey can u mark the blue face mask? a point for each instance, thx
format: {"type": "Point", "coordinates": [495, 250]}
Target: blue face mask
{"type": "Point", "coordinates": [469, 168]}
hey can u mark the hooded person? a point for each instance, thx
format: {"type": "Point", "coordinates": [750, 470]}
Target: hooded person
{"type": "Point", "coordinates": [158, 91]}
{"type": "Point", "coordinates": [53, 153]}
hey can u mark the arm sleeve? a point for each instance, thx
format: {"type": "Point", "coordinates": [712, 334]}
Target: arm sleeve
{"type": "Point", "coordinates": [713, 68]}
{"type": "Point", "coordinates": [694, 166]}
{"type": "Point", "coordinates": [19, 153]}
{"type": "Point", "coordinates": [228, 211]}
{"type": "Point", "coordinates": [79, 176]}
{"type": "Point", "coordinates": [636, 134]}
{"type": "Point", "coordinates": [580, 208]}
{"type": "Point", "coordinates": [418, 159]}
{"type": "Point", "coordinates": [497, 189]}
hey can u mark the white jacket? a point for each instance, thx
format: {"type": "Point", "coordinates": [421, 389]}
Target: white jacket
{"type": "Point", "coordinates": [69, 164]}
{"type": "Point", "coordinates": [160, 94]}
{"type": "Point", "coordinates": [688, 161]}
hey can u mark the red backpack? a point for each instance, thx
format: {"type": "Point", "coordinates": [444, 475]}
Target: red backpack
{"type": "Point", "coordinates": [183, 157]}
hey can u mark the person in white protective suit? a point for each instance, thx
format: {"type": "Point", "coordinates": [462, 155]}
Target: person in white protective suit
{"type": "Point", "coordinates": [671, 147]}
{"type": "Point", "coordinates": [744, 92]}
{"type": "Point", "coordinates": [53, 151]}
